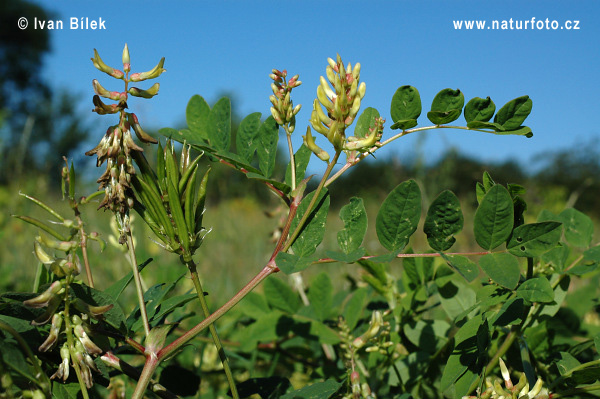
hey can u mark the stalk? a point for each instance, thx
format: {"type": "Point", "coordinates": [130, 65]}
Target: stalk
{"type": "Point", "coordinates": [269, 269]}
{"type": "Point", "coordinates": [312, 203]}
{"type": "Point", "coordinates": [292, 160]}
{"type": "Point", "coordinates": [138, 283]}
{"type": "Point", "coordinates": [213, 330]}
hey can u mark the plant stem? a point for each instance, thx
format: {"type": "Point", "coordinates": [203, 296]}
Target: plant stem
{"type": "Point", "coordinates": [138, 283]}
{"type": "Point", "coordinates": [292, 160]}
{"type": "Point", "coordinates": [86, 262]}
{"type": "Point", "coordinates": [113, 361]}
{"type": "Point", "coordinates": [71, 344]}
{"type": "Point", "coordinates": [312, 203]}
{"type": "Point", "coordinates": [150, 366]}
{"type": "Point", "coordinates": [269, 269]}
{"type": "Point", "coordinates": [397, 136]}
{"type": "Point", "coordinates": [213, 330]}
{"type": "Point", "coordinates": [575, 391]}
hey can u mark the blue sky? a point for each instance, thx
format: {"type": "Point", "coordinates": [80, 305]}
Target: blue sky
{"type": "Point", "coordinates": [231, 46]}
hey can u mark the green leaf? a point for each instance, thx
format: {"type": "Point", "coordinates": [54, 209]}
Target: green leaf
{"type": "Point", "coordinates": [446, 106]}
{"type": "Point", "coordinates": [313, 231]}
{"type": "Point", "coordinates": [178, 217]}
{"type": "Point", "coordinates": [503, 268]}
{"type": "Point", "coordinates": [42, 226]}
{"type": "Point", "coordinates": [196, 115]}
{"type": "Point", "coordinates": [13, 357]}
{"type": "Point", "coordinates": [579, 228]}
{"type": "Point", "coordinates": [444, 220]}
{"type": "Point", "coordinates": [430, 335]}
{"type": "Point", "coordinates": [268, 136]}
{"type": "Point", "coordinates": [246, 138]}
{"type": "Point", "coordinates": [65, 391]}
{"type": "Point", "coordinates": [354, 217]}
{"type": "Point", "coordinates": [117, 288]}
{"type": "Point", "coordinates": [266, 387]}
{"type": "Point", "coordinates": [254, 305]}
{"type": "Point", "coordinates": [537, 289]}
{"type": "Point", "coordinates": [349, 257]}
{"type": "Point", "coordinates": [292, 263]}
{"type": "Point", "coordinates": [456, 298]}
{"type": "Point", "coordinates": [521, 131]}
{"type": "Point", "coordinates": [366, 120]}
{"type": "Point", "coordinates": [512, 115]}
{"type": "Point", "coordinates": [275, 183]}
{"type": "Point", "coordinates": [301, 159]}
{"type": "Point", "coordinates": [170, 305]}
{"type": "Point", "coordinates": [465, 350]}
{"type": "Point", "coordinates": [320, 296]}
{"type": "Point", "coordinates": [399, 216]}
{"type": "Point", "coordinates": [511, 313]}
{"type": "Point", "coordinates": [353, 311]}
{"type": "Point", "coordinates": [463, 265]}
{"type": "Point", "coordinates": [405, 108]}
{"type": "Point", "coordinates": [319, 390]}
{"type": "Point", "coordinates": [479, 109]}
{"type": "Point", "coordinates": [219, 125]}
{"type": "Point", "coordinates": [114, 317]}
{"type": "Point", "coordinates": [597, 342]}
{"type": "Point", "coordinates": [494, 218]}
{"type": "Point", "coordinates": [557, 256]}
{"type": "Point", "coordinates": [531, 240]}
{"type": "Point", "coordinates": [280, 295]}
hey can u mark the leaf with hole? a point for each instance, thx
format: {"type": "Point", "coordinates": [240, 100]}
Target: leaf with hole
{"type": "Point", "coordinates": [531, 240]}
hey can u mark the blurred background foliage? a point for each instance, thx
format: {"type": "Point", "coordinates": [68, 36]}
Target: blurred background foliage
{"type": "Point", "coordinates": [39, 125]}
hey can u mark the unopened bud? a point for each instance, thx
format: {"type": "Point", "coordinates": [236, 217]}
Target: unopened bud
{"type": "Point", "coordinates": [276, 116]}
{"type": "Point", "coordinates": [126, 62]}
{"type": "Point", "coordinates": [362, 89]}
{"type": "Point", "coordinates": [101, 91]}
{"type": "Point", "coordinates": [323, 98]}
{"type": "Point", "coordinates": [297, 109]}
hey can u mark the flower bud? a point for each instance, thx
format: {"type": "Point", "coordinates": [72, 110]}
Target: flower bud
{"type": "Point", "coordinates": [309, 141]}
{"type": "Point", "coordinates": [103, 109]}
{"type": "Point", "coordinates": [323, 99]}
{"type": "Point", "coordinates": [151, 92]}
{"type": "Point", "coordinates": [126, 63]}
{"type": "Point", "coordinates": [332, 64]}
{"type": "Point", "coordinates": [41, 255]}
{"type": "Point", "coordinates": [44, 298]}
{"type": "Point", "coordinates": [362, 90]}
{"type": "Point", "coordinates": [276, 116]}
{"type": "Point", "coordinates": [143, 136]}
{"type": "Point", "coordinates": [85, 340]}
{"type": "Point", "coordinates": [57, 320]}
{"type": "Point", "coordinates": [101, 66]}
{"type": "Point", "coordinates": [64, 246]}
{"type": "Point", "coordinates": [63, 368]}
{"type": "Point", "coordinates": [356, 71]}
{"type": "Point", "coordinates": [151, 74]}
{"type": "Point", "coordinates": [297, 109]}
{"type": "Point", "coordinates": [101, 91]}
{"type": "Point", "coordinates": [505, 373]}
